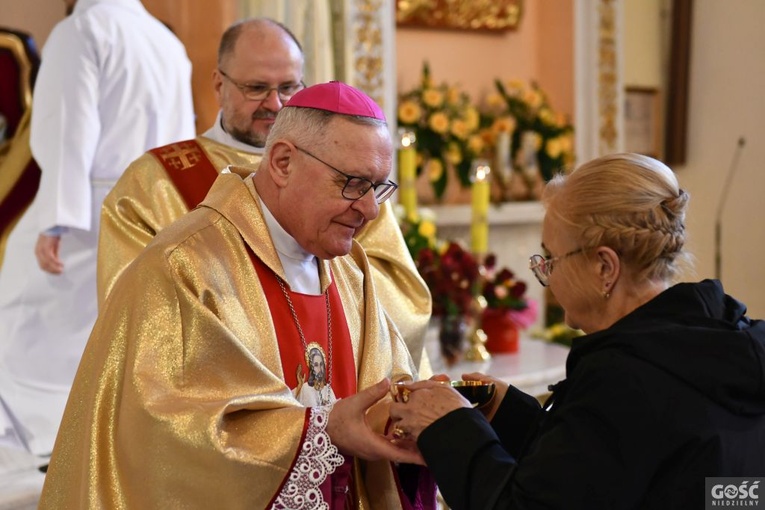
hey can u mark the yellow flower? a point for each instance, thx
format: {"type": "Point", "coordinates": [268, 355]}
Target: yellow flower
{"type": "Point", "coordinates": [495, 101]}
{"type": "Point", "coordinates": [427, 229]}
{"type": "Point", "coordinates": [454, 154]}
{"type": "Point", "coordinates": [439, 122]}
{"type": "Point", "coordinates": [433, 98]}
{"type": "Point", "coordinates": [533, 98]}
{"type": "Point", "coordinates": [453, 96]}
{"type": "Point", "coordinates": [547, 116]}
{"type": "Point", "coordinates": [567, 143]}
{"type": "Point", "coordinates": [434, 169]}
{"type": "Point", "coordinates": [472, 118]}
{"type": "Point", "coordinates": [515, 87]}
{"type": "Point", "coordinates": [409, 112]}
{"type": "Point", "coordinates": [554, 147]}
{"type": "Point", "coordinates": [459, 129]}
{"type": "Point", "coordinates": [476, 144]}
{"type": "Point", "coordinates": [503, 125]}
{"type": "Point", "coordinates": [488, 136]}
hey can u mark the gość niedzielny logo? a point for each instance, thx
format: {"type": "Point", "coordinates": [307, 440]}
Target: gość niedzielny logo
{"type": "Point", "coordinates": [733, 492]}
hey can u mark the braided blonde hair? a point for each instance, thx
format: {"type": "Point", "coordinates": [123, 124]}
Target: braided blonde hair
{"type": "Point", "coordinates": [630, 203]}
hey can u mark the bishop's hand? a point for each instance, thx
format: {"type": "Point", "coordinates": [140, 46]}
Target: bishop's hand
{"type": "Point", "coordinates": [350, 431]}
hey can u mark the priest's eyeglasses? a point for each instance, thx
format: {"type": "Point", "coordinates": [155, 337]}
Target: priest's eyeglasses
{"type": "Point", "coordinates": [356, 187]}
{"type": "Point", "coordinates": [542, 266]}
{"type": "Point", "coordinates": [261, 91]}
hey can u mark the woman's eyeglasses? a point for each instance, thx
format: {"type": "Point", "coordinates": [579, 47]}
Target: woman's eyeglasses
{"type": "Point", "coordinates": [542, 266]}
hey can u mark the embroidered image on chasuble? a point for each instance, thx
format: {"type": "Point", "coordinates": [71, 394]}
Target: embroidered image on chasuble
{"type": "Point", "coordinates": [314, 343]}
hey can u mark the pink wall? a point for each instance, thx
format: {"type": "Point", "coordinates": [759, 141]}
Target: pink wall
{"type": "Point", "coordinates": [36, 17]}
{"type": "Point", "coordinates": [541, 49]}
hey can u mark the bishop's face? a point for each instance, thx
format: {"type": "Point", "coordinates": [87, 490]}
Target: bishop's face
{"type": "Point", "coordinates": [326, 222]}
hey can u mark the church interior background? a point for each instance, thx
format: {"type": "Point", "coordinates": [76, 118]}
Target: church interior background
{"type": "Point", "coordinates": [605, 66]}
{"type": "Point", "coordinates": [559, 44]}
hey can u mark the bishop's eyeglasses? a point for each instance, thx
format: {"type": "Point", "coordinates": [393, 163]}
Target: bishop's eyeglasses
{"type": "Point", "coordinates": [542, 266]}
{"type": "Point", "coordinates": [356, 187]}
{"type": "Point", "coordinates": [261, 91]}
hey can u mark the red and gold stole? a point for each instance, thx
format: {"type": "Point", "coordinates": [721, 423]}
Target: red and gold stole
{"type": "Point", "coordinates": [312, 314]}
{"type": "Point", "coordinates": [190, 169]}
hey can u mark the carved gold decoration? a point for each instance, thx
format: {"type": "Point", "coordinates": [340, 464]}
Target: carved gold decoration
{"type": "Point", "coordinates": [460, 14]}
{"type": "Point", "coordinates": [16, 47]}
{"type": "Point", "coordinates": [366, 32]}
{"type": "Point", "coordinates": [608, 77]}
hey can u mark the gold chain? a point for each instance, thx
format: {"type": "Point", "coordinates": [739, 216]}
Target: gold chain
{"type": "Point", "coordinates": [300, 330]}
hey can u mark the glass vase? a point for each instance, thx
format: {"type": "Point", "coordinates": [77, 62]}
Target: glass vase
{"type": "Point", "coordinates": [451, 337]}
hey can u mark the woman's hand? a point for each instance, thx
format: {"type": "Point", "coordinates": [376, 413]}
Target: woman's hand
{"type": "Point", "coordinates": [500, 389]}
{"type": "Point", "coordinates": [426, 402]}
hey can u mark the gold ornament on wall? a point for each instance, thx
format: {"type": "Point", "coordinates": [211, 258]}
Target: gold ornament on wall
{"type": "Point", "coordinates": [492, 15]}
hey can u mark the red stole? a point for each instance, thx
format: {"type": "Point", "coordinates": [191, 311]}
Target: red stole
{"type": "Point", "coordinates": [312, 314]}
{"type": "Point", "coordinates": [188, 166]}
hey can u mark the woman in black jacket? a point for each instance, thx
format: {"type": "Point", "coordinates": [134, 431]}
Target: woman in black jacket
{"type": "Point", "coordinates": [667, 387]}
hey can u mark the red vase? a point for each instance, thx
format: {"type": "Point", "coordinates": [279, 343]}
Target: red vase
{"type": "Point", "coordinates": [502, 333]}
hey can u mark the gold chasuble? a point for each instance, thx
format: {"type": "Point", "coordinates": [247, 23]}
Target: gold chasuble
{"type": "Point", "coordinates": [183, 398]}
{"type": "Point", "coordinates": [146, 199]}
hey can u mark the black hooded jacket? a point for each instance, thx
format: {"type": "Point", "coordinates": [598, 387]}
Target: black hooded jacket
{"type": "Point", "coordinates": [670, 394]}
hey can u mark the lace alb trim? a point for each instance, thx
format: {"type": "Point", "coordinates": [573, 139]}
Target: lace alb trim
{"type": "Point", "coordinates": [318, 459]}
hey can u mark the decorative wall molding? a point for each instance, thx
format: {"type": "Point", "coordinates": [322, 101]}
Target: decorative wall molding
{"type": "Point", "coordinates": [599, 78]}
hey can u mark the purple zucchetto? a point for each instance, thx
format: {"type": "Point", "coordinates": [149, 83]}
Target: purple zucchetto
{"type": "Point", "coordinates": [337, 97]}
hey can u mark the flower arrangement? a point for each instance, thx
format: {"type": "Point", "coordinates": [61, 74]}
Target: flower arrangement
{"type": "Point", "coordinates": [446, 125]}
{"type": "Point", "coordinates": [451, 273]}
{"type": "Point", "coordinates": [501, 288]}
{"type": "Point", "coordinates": [504, 292]}
{"type": "Point", "coordinates": [455, 278]}
{"type": "Point", "coordinates": [521, 109]}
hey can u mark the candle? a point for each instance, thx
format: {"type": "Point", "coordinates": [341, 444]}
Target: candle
{"type": "Point", "coordinates": [479, 226]}
{"type": "Point", "coordinates": [407, 170]}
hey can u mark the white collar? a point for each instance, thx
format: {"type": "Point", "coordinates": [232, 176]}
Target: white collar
{"type": "Point", "coordinates": [300, 267]}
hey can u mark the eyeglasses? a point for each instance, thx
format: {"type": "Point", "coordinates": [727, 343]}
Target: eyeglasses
{"type": "Point", "coordinates": [261, 91]}
{"type": "Point", "coordinates": [357, 187]}
{"type": "Point", "coordinates": [542, 267]}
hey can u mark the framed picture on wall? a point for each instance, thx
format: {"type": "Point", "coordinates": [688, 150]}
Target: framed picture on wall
{"type": "Point", "coordinates": [642, 121]}
{"type": "Point", "coordinates": [485, 15]}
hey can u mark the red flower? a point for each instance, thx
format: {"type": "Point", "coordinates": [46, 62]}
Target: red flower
{"type": "Point", "coordinates": [451, 277]}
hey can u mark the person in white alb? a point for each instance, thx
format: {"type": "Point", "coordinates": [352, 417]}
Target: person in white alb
{"type": "Point", "coordinates": [114, 82]}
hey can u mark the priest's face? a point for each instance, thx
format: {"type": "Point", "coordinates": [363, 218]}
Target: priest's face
{"type": "Point", "coordinates": [262, 57]}
{"type": "Point", "coordinates": [322, 220]}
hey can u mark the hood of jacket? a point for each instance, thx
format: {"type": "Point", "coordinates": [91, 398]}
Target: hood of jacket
{"type": "Point", "coordinates": [699, 335]}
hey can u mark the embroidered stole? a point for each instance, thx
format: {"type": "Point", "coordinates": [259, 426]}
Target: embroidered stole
{"type": "Point", "coordinates": [190, 169]}
{"type": "Point", "coordinates": [312, 313]}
